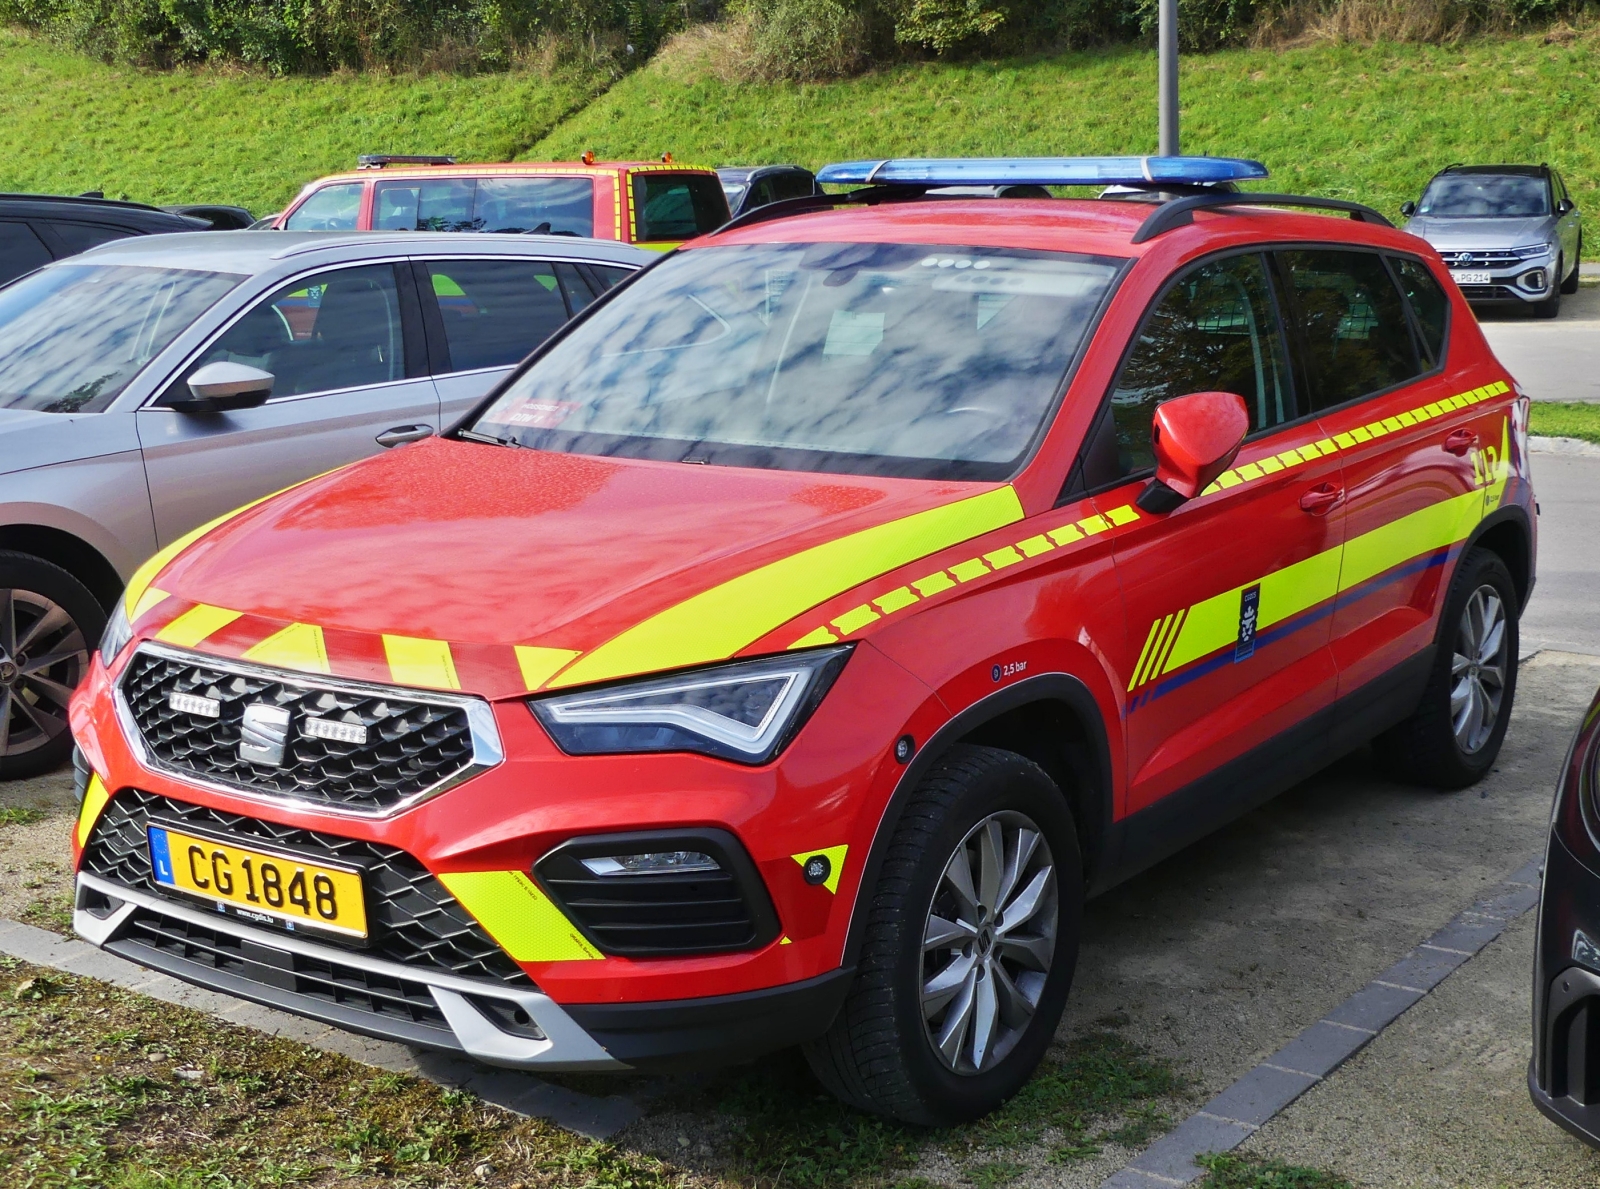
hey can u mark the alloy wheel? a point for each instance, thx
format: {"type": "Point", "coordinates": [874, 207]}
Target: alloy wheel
{"type": "Point", "coordinates": [1478, 669]}
{"type": "Point", "coordinates": [988, 942]}
{"type": "Point", "coordinates": [43, 656]}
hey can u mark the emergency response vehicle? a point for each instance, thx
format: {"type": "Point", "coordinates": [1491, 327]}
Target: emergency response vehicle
{"type": "Point", "coordinates": [786, 650]}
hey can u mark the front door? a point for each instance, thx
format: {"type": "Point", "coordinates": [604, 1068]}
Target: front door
{"type": "Point", "coordinates": [1226, 597]}
{"type": "Point", "coordinates": [347, 383]}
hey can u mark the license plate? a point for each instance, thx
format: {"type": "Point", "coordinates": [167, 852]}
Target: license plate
{"type": "Point", "coordinates": [1471, 278]}
{"type": "Point", "coordinates": [259, 886]}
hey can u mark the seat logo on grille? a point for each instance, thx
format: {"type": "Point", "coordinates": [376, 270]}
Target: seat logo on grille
{"type": "Point", "coordinates": [263, 733]}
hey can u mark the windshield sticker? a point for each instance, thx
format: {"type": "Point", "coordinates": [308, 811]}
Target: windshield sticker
{"type": "Point", "coordinates": [537, 414]}
{"type": "Point", "coordinates": [853, 334]}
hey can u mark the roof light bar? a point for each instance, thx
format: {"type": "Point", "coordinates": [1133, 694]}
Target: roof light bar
{"type": "Point", "coordinates": [1042, 171]}
{"type": "Point", "coordinates": [379, 160]}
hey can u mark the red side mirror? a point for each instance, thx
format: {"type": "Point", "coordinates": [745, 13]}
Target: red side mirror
{"type": "Point", "coordinates": [1196, 438]}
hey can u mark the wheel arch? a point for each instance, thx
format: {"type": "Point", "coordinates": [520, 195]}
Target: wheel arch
{"type": "Point", "coordinates": [1052, 719]}
{"type": "Point", "coordinates": [1507, 534]}
{"type": "Point", "coordinates": [73, 554]}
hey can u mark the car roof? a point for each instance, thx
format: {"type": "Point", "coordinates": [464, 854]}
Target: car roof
{"type": "Point", "coordinates": [95, 210]}
{"type": "Point", "coordinates": [1090, 226]}
{"type": "Point", "coordinates": [253, 252]}
{"type": "Point", "coordinates": [506, 168]}
{"type": "Point", "coordinates": [745, 173]}
{"type": "Point", "coordinates": [1530, 171]}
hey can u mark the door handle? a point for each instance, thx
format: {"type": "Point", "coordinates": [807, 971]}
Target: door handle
{"type": "Point", "coordinates": [401, 434]}
{"type": "Point", "coordinates": [1461, 441]}
{"type": "Point", "coordinates": [1320, 498]}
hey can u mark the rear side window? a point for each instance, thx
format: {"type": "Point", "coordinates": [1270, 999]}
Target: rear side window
{"type": "Point", "coordinates": [339, 329]}
{"type": "Point", "coordinates": [543, 206]}
{"type": "Point", "coordinates": [608, 275]}
{"type": "Point", "coordinates": [495, 311]}
{"type": "Point", "coordinates": [677, 206]}
{"type": "Point", "coordinates": [1429, 305]}
{"type": "Point", "coordinates": [332, 208]}
{"type": "Point", "coordinates": [1353, 323]}
{"type": "Point", "coordinates": [80, 237]}
{"type": "Point", "coordinates": [792, 185]}
{"type": "Point", "coordinates": [21, 251]}
{"type": "Point", "coordinates": [1215, 330]}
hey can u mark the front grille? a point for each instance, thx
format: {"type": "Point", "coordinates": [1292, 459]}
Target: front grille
{"type": "Point", "coordinates": [411, 744]}
{"type": "Point", "coordinates": [685, 913]}
{"type": "Point", "coordinates": [349, 987]}
{"type": "Point", "coordinates": [1489, 259]}
{"type": "Point", "coordinates": [413, 919]}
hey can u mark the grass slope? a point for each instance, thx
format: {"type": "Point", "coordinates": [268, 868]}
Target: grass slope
{"type": "Point", "coordinates": [68, 124]}
{"type": "Point", "coordinates": [1560, 419]}
{"type": "Point", "coordinates": [1370, 123]}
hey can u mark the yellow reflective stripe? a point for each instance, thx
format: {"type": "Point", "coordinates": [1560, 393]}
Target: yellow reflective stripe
{"type": "Point", "coordinates": [414, 661]}
{"type": "Point", "coordinates": [521, 918]}
{"type": "Point", "coordinates": [299, 646]}
{"type": "Point", "coordinates": [1411, 536]}
{"type": "Point", "coordinates": [538, 665]}
{"type": "Point", "coordinates": [1144, 653]}
{"type": "Point", "coordinates": [94, 800]}
{"type": "Point", "coordinates": [815, 637]}
{"type": "Point", "coordinates": [1214, 623]}
{"type": "Point", "coordinates": [897, 598]}
{"type": "Point", "coordinates": [717, 623]}
{"type": "Point", "coordinates": [195, 624]}
{"type": "Point", "coordinates": [150, 598]}
{"type": "Point", "coordinates": [856, 617]}
{"type": "Point", "coordinates": [835, 856]}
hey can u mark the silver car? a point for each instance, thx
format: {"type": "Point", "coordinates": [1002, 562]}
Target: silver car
{"type": "Point", "coordinates": [1510, 234]}
{"type": "Point", "coordinates": [155, 383]}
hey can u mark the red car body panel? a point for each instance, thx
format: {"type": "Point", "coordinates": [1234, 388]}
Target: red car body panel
{"type": "Point", "coordinates": [492, 548]}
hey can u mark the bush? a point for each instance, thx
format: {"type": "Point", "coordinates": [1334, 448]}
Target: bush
{"type": "Point", "coordinates": [803, 39]}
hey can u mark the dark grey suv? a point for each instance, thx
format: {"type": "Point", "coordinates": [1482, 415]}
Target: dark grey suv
{"type": "Point", "coordinates": [1510, 234]}
{"type": "Point", "coordinates": [38, 228]}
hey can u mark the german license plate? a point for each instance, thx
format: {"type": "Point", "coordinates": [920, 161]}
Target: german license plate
{"type": "Point", "coordinates": [261, 886]}
{"type": "Point", "coordinates": [1471, 278]}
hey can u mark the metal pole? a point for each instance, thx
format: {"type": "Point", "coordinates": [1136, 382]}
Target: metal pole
{"type": "Point", "coordinates": [1167, 57]}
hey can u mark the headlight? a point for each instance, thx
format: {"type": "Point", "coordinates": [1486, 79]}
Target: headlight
{"type": "Point", "coordinates": [1531, 251]}
{"type": "Point", "coordinates": [745, 711]}
{"type": "Point", "coordinates": [117, 634]}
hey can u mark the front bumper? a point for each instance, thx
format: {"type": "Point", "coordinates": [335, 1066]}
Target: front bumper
{"type": "Point", "coordinates": [1509, 286]}
{"type": "Point", "coordinates": [514, 1027]}
{"type": "Point", "coordinates": [1564, 1075]}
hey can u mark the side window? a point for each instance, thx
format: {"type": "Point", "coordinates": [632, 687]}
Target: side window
{"type": "Point", "coordinates": [339, 329]}
{"type": "Point", "coordinates": [441, 205]}
{"type": "Point", "coordinates": [21, 251]}
{"type": "Point", "coordinates": [677, 206]}
{"type": "Point", "coordinates": [1215, 330]}
{"type": "Point", "coordinates": [1428, 303]}
{"type": "Point", "coordinates": [1354, 324]}
{"type": "Point", "coordinates": [792, 185]}
{"type": "Point", "coordinates": [609, 274]}
{"type": "Point", "coordinates": [495, 311]}
{"type": "Point", "coordinates": [80, 237]}
{"type": "Point", "coordinates": [332, 208]}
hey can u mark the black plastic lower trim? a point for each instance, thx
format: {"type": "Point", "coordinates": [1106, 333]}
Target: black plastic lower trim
{"type": "Point", "coordinates": [1581, 1121]}
{"type": "Point", "coordinates": [681, 1034]}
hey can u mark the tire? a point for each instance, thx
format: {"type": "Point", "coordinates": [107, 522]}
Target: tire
{"type": "Point", "coordinates": [1431, 748]}
{"type": "Point", "coordinates": [1571, 286]}
{"type": "Point", "coordinates": [1551, 306]}
{"type": "Point", "coordinates": [880, 1055]}
{"type": "Point", "coordinates": [43, 607]}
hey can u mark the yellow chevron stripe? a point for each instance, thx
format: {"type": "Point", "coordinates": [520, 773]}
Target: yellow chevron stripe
{"type": "Point", "coordinates": [94, 800]}
{"type": "Point", "coordinates": [1144, 653]}
{"type": "Point", "coordinates": [538, 665]}
{"type": "Point", "coordinates": [717, 623]}
{"type": "Point", "coordinates": [195, 624]}
{"type": "Point", "coordinates": [299, 646]}
{"type": "Point", "coordinates": [521, 918]}
{"type": "Point", "coordinates": [414, 661]}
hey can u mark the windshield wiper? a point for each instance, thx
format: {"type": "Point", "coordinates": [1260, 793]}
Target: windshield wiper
{"type": "Point", "coordinates": [487, 438]}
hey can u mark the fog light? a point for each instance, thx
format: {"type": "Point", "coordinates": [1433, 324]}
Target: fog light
{"type": "Point", "coordinates": [1534, 279]}
{"type": "Point", "coordinates": [660, 862]}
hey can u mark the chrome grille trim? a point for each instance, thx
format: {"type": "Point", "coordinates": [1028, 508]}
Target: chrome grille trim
{"type": "Point", "coordinates": [487, 751]}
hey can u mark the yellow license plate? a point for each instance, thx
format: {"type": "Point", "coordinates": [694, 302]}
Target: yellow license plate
{"type": "Point", "coordinates": [258, 885]}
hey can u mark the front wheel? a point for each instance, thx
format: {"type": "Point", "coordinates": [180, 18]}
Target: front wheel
{"type": "Point", "coordinates": [49, 622]}
{"type": "Point", "coordinates": [972, 937]}
{"type": "Point", "coordinates": [1454, 736]}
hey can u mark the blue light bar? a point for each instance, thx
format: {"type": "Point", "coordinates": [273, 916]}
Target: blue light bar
{"type": "Point", "coordinates": [1042, 171]}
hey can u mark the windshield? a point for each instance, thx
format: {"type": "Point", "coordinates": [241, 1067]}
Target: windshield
{"type": "Point", "coordinates": [73, 335]}
{"type": "Point", "coordinates": [1485, 196]}
{"type": "Point", "coordinates": [888, 359]}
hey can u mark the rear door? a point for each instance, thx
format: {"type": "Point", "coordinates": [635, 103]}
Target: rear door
{"type": "Point", "coordinates": [345, 346]}
{"type": "Point", "coordinates": [485, 314]}
{"type": "Point", "coordinates": [1226, 597]}
{"type": "Point", "coordinates": [1412, 435]}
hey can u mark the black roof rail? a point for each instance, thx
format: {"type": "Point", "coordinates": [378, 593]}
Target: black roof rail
{"type": "Point", "coordinates": [82, 200]}
{"type": "Point", "coordinates": [1180, 211]}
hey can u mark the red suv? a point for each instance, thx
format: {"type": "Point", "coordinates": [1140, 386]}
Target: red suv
{"type": "Point", "coordinates": [790, 646]}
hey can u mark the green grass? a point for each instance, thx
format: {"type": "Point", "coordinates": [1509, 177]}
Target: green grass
{"type": "Point", "coordinates": [1558, 419]}
{"type": "Point", "coordinates": [1371, 123]}
{"type": "Point", "coordinates": [20, 815]}
{"type": "Point", "coordinates": [68, 125]}
{"type": "Point", "coordinates": [1230, 1171]}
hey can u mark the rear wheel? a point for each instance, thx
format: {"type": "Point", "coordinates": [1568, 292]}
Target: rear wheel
{"type": "Point", "coordinates": [49, 623]}
{"type": "Point", "coordinates": [1454, 736]}
{"type": "Point", "coordinates": [972, 937]}
{"type": "Point", "coordinates": [1551, 306]}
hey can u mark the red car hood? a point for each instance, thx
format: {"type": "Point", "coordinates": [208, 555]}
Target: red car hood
{"type": "Point", "coordinates": [497, 570]}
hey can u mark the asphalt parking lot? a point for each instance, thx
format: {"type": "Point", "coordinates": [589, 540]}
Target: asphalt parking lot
{"type": "Point", "coordinates": [1215, 958]}
{"type": "Point", "coordinates": [1557, 359]}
